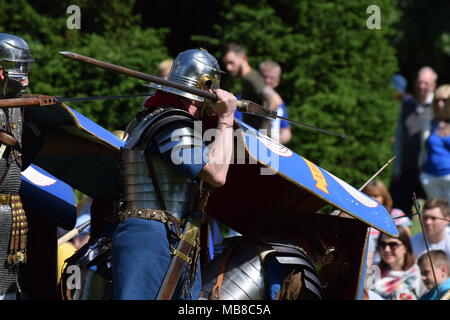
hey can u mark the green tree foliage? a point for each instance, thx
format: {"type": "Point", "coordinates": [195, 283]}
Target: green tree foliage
{"type": "Point", "coordinates": [423, 38]}
{"type": "Point", "coordinates": [336, 74]}
{"type": "Point", "coordinates": [110, 31]}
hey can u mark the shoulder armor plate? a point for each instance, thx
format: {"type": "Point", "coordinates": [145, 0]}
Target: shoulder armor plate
{"type": "Point", "coordinates": [152, 123]}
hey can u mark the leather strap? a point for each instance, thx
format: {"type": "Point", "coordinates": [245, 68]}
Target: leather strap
{"type": "Point", "coordinates": [149, 214]}
{"type": "Point", "coordinates": [152, 175]}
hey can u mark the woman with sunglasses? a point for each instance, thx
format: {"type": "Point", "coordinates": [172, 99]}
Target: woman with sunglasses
{"type": "Point", "coordinates": [435, 148]}
{"type": "Point", "coordinates": [399, 277]}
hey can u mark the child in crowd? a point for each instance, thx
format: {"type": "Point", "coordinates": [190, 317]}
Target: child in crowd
{"type": "Point", "coordinates": [441, 266]}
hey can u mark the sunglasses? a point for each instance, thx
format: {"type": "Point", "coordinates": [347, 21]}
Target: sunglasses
{"type": "Point", "coordinates": [442, 99]}
{"type": "Point", "coordinates": [392, 245]}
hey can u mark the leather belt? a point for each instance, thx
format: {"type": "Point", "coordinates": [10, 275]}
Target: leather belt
{"type": "Point", "coordinates": [148, 214]}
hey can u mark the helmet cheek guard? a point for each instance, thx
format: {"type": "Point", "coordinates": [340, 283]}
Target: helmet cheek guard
{"type": "Point", "coordinates": [194, 68]}
{"type": "Point", "coordinates": [208, 81]}
{"type": "Point", "coordinates": [13, 85]}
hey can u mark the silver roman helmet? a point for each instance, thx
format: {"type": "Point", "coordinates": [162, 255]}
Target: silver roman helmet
{"type": "Point", "coordinates": [15, 59]}
{"type": "Point", "coordinates": [193, 68]}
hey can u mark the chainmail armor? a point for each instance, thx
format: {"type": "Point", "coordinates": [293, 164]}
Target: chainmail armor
{"type": "Point", "coordinates": [10, 185]}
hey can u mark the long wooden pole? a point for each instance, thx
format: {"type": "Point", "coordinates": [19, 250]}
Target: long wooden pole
{"type": "Point", "coordinates": [138, 74]}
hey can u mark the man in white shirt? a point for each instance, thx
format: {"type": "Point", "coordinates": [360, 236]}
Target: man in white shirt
{"type": "Point", "coordinates": [435, 220]}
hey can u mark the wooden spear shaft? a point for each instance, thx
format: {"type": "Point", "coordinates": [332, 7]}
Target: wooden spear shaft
{"type": "Point", "coordinates": [73, 233]}
{"type": "Point", "coordinates": [139, 75]}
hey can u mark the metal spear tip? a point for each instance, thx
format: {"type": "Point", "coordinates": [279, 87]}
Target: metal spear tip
{"type": "Point", "coordinates": [66, 53]}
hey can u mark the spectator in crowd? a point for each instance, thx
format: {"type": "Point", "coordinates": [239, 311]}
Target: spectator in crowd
{"type": "Point", "coordinates": [280, 129]}
{"type": "Point", "coordinates": [415, 111]}
{"type": "Point", "coordinates": [253, 86]}
{"type": "Point", "coordinates": [434, 156]}
{"type": "Point", "coordinates": [162, 72]}
{"type": "Point", "coordinates": [441, 266]}
{"type": "Point", "coordinates": [164, 68]}
{"type": "Point", "coordinates": [435, 220]}
{"type": "Point", "coordinates": [399, 274]}
{"type": "Point", "coordinates": [378, 191]}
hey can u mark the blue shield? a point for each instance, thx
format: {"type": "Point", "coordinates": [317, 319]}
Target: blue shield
{"type": "Point", "coordinates": [77, 150]}
{"type": "Point", "coordinates": [47, 195]}
{"type": "Point", "coordinates": [267, 178]}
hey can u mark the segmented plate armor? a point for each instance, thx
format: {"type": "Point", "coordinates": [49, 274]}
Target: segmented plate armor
{"type": "Point", "coordinates": [245, 278]}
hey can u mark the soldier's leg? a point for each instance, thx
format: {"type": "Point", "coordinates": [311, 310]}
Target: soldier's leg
{"type": "Point", "coordinates": [140, 259]}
